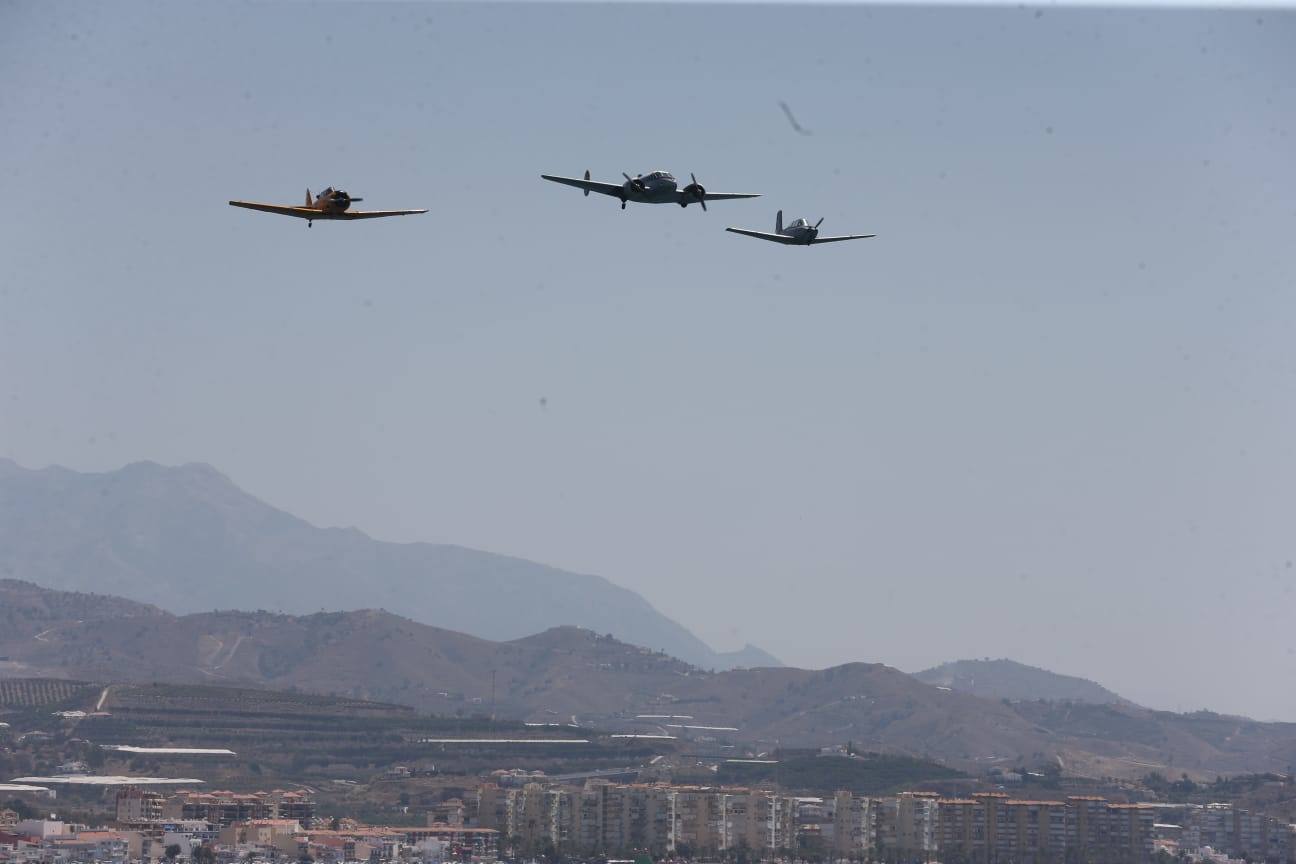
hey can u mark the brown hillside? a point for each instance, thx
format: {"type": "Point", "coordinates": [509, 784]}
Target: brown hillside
{"type": "Point", "coordinates": [568, 672]}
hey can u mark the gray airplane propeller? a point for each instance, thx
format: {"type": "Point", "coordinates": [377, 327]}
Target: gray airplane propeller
{"type": "Point", "coordinates": [697, 190]}
{"type": "Point", "coordinates": [637, 182]}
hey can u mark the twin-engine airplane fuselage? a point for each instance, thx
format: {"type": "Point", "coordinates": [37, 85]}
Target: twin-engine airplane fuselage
{"type": "Point", "coordinates": [799, 233]}
{"type": "Point", "coordinates": [331, 204]}
{"type": "Point", "coordinates": [657, 187]}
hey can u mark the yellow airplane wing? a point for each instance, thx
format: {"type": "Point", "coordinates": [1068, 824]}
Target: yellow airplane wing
{"type": "Point", "coordinates": [375, 214]}
{"type": "Point", "coordinates": [312, 214]}
{"type": "Point", "coordinates": [300, 212]}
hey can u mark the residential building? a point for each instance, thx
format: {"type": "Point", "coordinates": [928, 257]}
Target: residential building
{"type": "Point", "coordinates": [139, 805]}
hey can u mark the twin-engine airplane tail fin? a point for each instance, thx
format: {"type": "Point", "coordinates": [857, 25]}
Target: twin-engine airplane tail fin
{"type": "Point", "coordinates": [309, 202]}
{"type": "Point", "coordinates": [778, 223]}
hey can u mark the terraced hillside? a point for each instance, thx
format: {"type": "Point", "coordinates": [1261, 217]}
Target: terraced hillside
{"type": "Point", "coordinates": [305, 737]}
{"type": "Point", "coordinates": [53, 693]}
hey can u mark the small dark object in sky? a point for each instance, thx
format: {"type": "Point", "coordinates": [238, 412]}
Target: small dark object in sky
{"type": "Point", "coordinates": [544, 402]}
{"type": "Point", "coordinates": [801, 130]}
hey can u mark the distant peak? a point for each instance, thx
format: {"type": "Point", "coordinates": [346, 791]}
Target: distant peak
{"type": "Point", "coordinates": [200, 471]}
{"type": "Point", "coordinates": [11, 468]}
{"type": "Point", "coordinates": [148, 465]}
{"type": "Point", "coordinates": [204, 469]}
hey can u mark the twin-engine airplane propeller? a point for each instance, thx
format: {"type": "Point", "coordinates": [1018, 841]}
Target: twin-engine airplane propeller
{"type": "Point", "coordinates": [799, 233]}
{"type": "Point", "coordinates": [331, 204]}
{"type": "Point", "coordinates": [658, 187]}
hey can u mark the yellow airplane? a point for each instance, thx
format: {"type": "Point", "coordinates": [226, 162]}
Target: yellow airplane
{"type": "Point", "coordinates": [331, 204]}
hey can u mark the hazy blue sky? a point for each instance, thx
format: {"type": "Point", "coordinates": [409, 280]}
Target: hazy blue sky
{"type": "Point", "coordinates": [1049, 413]}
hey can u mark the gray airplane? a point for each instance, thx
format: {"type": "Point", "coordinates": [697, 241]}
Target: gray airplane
{"type": "Point", "coordinates": [658, 187]}
{"type": "Point", "coordinates": [799, 233]}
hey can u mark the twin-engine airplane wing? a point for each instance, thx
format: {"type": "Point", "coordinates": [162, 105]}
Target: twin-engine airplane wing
{"type": "Point", "coordinates": [658, 187]}
{"type": "Point", "coordinates": [725, 196]}
{"type": "Point", "coordinates": [613, 189]}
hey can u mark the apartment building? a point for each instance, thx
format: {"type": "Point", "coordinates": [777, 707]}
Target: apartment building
{"type": "Point", "coordinates": [915, 831]}
{"type": "Point", "coordinates": [960, 831]}
{"type": "Point", "coordinates": [1030, 832]}
{"type": "Point", "coordinates": [604, 818]}
{"type": "Point", "coordinates": [774, 821]}
{"type": "Point", "coordinates": [698, 821]}
{"type": "Point", "coordinates": [139, 805]}
{"type": "Point", "coordinates": [994, 829]}
{"type": "Point", "coordinates": [279, 834]}
{"type": "Point", "coordinates": [853, 826]}
{"type": "Point", "coordinates": [226, 808]}
{"type": "Point", "coordinates": [449, 812]}
{"type": "Point", "coordinates": [460, 842]}
{"type": "Point", "coordinates": [1129, 833]}
{"type": "Point", "coordinates": [1086, 825]}
{"type": "Point", "coordinates": [525, 819]}
{"type": "Point", "coordinates": [1239, 833]}
{"type": "Point", "coordinates": [638, 817]}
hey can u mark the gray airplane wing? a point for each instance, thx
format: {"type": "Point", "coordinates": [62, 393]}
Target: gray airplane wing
{"type": "Point", "coordinates": [301, 212]}
{"type": "Point", "coordinates": [613, 189]}
{"type": "Point", "coordinates": [763, 235]}
{"type": "Point", "coordinates": [842, 237]}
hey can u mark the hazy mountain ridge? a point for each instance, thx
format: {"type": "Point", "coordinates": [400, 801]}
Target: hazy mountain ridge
{"type": "Point", "coordinates": [1008, 679]}
{"type": "Point", "coordinates": [188, 540]}
{"type": "Point", "coordinates": [565, 672]}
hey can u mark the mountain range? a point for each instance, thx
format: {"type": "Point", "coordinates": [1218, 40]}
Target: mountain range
{"type": "Point", "coordinates": [568, 674]}
{"type": "Point", "coordinates": [186, 539]}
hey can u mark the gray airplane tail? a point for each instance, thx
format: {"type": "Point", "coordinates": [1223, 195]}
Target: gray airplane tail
{"type": "Point", "coordinates": [778, 223]}
{"type": "Point", "coordinates": [309, 203]}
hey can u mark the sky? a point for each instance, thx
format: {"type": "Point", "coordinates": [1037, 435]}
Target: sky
{"type": "Point", "coordinates": [1049, 413]}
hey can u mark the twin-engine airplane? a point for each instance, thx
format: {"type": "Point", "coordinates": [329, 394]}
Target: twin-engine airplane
{"type": "Point", "coordinates": [799, 233]}
{"type": "Point", "coordinates": [331, 204]}
{"type": "Point", "coordinates": [659, 187]}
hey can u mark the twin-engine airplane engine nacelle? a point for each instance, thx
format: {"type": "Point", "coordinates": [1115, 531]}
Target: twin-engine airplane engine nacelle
{"type": "Point", "coordinates": [695, 191]}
